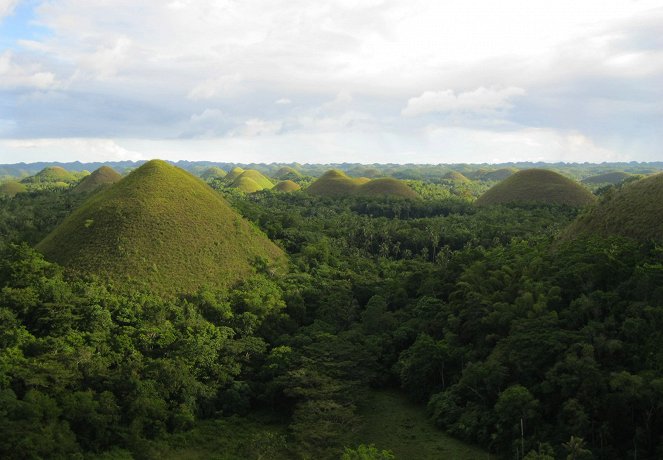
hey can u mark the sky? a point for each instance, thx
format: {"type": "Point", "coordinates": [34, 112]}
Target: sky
{"type": "Point", "coordinates": [312, 81]}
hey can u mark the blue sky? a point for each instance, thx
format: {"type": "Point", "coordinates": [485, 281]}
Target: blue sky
{"type": "Point", "coordinates": [403, 81]}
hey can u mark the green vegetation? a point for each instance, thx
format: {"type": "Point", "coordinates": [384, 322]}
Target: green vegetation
{"type": "Point", "coordinates": [50, 175]}
{"type": "Point", "coordinates": [633, 210]}
{"type": "Point", "coordinates": [246, 185]}
{"type": "Point", "coordinates": [391, 422]}
{"type": "Point", "coordinates": [288, 173]}
{"type": "Point", "coordinates": [233, 174]}
{"type": "Point", "coordinates": [160, 228]}
{"type": "Point", "coordinates": [455, 176]}
{"type": "Point", "coordinates": [613, 178]}
{"type": "Point", "coordinates": [12, 188]}
{"type": "Point", "coordinates": [255, 176]}
{"type": "Point", "coordinates": [333, 183]}
{"type": "Point", "coordinates": [287, 186]}
{"type": "Point", "coordinates": [537, 186]}
{"type": "Point", "coordinates": [101, 177]}
{"type": "Point", "coordinates": [498, 174]}
{"type": "Point", "coordinates": [386, 187]}
{"type": "Point", "coordinates": [399, 323]}
{"type": "Point", "coordinates": [213, 172]}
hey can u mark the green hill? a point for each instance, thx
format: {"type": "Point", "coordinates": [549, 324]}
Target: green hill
{"type": "Point", "coordinates": [633, 211]}
{"type": "Point", "coordinates": [288, 173]}
{"type": "Point", "coordinates": [333, 183]}
{"type": "Point", "coordinates": [257, 177]}
{"type": "Point", "coordinates": [614, 178]}
{"type": "Point", "coordinates": [213, 172]}
{"type": "Point", "coordinates": [537, 186]}
{"type": "Point", "coordinates": [12, 188]}
{"type": "Point", "coordinates": [233, 174]}
{"type": "Point", "coordinates": [455, 176]}
{"type": "Point", "coordinates": [287, 186]}
{"type": "Point", "coordinates": [387, 187]}
{"type": "Point", "coordinates": [498, 174]}
{"type": "Point", "coordinates": [361, 180]}
{"type": "Point", "coordinates": [101, 177]}
{"type": "Point", "coordinates": [246, 185]}
{"type": "Point", "coordinates": [50, 175]}
{"type": "Point", "coordinates": [159, 228]}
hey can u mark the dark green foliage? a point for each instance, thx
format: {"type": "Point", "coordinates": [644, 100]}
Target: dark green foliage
{"type": "Point", "coordinates": [537, 186]}
{"type": "Point", "coordinates": [12, 188]}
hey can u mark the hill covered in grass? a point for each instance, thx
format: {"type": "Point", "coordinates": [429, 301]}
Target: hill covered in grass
{"type": "Point", "coordinates": [333, 183]}
{"type": "Point", "coordinates": [607, 178]}
{"type": "Point", "coordinates": [233, 174]}
{"type": "Point", "coordinates": [498, 174]}
{"type": "Point", "coordinates": [537, 186]}
{"type": "Point", "coordinates": [51, 174]}
{"type": "Point", "coordinates": [455, 176]}
{"type": "Point", "coordinates": [250, 181]}
{"type": "Point", "coordinates": [387, 186]}
{"type": "Point", "coordinates": [287, 186]}
{"type": "Point", "coordinates": [288, 173]}
{"type": "Point", "coordinates": [101, 177]}
{"type": "Point", "coordinates": [633, 211]}
{"type": "Point", "coordinates": [159, 228]}
{"type": "Point", "coordinates": [12, 188]}
{"type": "Point", "coordinates": [213, 172]}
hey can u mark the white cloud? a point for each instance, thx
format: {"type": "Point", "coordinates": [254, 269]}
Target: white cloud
{"type": "Point", "coordinates": [283, 101]}
{"type": "Point", "coordinates": [69, 150]}
{"type": "Point", "coordinates": [479, 100]}
{"type": "Point", "coordinates": [256, 127]}
{"type": "Point", "coordinates": [7, 7]}
{"type": "Point", "coordinates": [17, 75]}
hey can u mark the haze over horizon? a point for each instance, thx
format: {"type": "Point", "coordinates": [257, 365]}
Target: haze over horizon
{"type": "Point", "coordinates": [376, 81]}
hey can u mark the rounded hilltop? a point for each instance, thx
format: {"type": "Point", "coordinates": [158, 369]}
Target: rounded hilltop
{"type": "Point", "coordinates": [455, 176]}
{"type": "Point", "coordinates": [213, 172]}
{"type": "Point", "coordinates": [634, 211]}
{"type": "Point", "coordinates": [51, 174]}
{"type": "Point", "coordinates": [288, 173]}
{"type": "Point", "coordinates": [159, 228]}
{"type": "Point", "coordinates": [12, 188]}
{"type": "Point", "coordinates": [100, 177]}
{"type": "Point", "coordinates": [233, 174]}
{"type": "Point", "coordinates": [537, 186]}
{"type": "Point", "coordinates": [287, 186]}
{"type": "Point", "coordinates": [333, 183]}
{"type": "Point", "coordinates": [498, 174]}
{"type": "Point", "coordinates": [250, 181]}
{"type": "Point", "coordinates": [387, 186]}
{"type": "Point", "coordinates": [613, 178]}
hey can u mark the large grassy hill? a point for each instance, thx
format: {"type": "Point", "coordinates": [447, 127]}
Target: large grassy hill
{"type": "Point", "coordinates": [633, 211]}
{"type": "Point", "coordinates": [159, 228]}
{"type": "Point", "coordinates": [387, 186]}
{"type": "Point", "coordinates": [11, 188]}
{"type": "Point", "coordinates": [250, 181]}
{"type": "Point", "coordinates": [51, 174]}
{"type": "Point", "coordinates": [455, 176]}
{"type": "Point", "coordinates": [233, 174]}
{"type": "Point", "coordinates": [213, 172]}
{"type": "Point", "coordinates": [333, 183]}
{"type": "Point", "coordinates": [287, 172]}
{"type": "Point", "coordinates": [101, 177]}
{"type": "Point", "coordinates": [537, 186]}
{"type": "Point", "coordinates": [287, 186]}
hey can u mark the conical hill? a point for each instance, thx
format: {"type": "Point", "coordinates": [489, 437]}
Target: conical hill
{"type": "Point", "coordinates": [101, 177]}
{"type": "Point", "coordinates": [233, 174]}
{"type": "Point", "coordinates": [387, 186]}
{"type": "Point", "coordinates": [287, 173]}
{"type": "Point", "coordinates": [615, 177]}
{"type": "Point", "coordinates": [537, 186]}
{"type": "Point", "coordinates": [159, 228]}
{"type": "Point", "coordinates": [287, 186]}
{"type": "Point", "coordinates": [255, 176]}
{"type": "Point", "coordinates": [455, 176]}
{"type": "Point", "coordinates": [333, 183]}
{"type": "Point", "coordinates": [12, 188]}
{"type": "Point", "coordinates": [50, 174]}
{"type": "Point", "coordinates": [634, 211]}
{"type": "Point", "coordinates": [213, 172]}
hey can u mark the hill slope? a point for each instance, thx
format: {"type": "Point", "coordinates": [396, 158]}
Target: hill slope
{"type": "Point", "coordinates": [11, 188]}
{"type": "Point", "coordinates": [455, 176]}
{"type": "Point", "coordinates": [607, 178]}
{"type": "Point", "coordinates": [634, 211]}
{"type": "Point", "coordinates": [537, 186]}
{"type": "Point", "coordinates": [213, 172]}
{"type": "Point", "coordinates": [159, 228]}
{"type": "Point", "coordinates": [51, 174]}
{"type": "Point", "coordinates": [287, 186]}
{"type": "Point", "coordinates": [287, 172]}
{"type": "Point", "coordinates": [233, 174]}
{"type": "Point", "coordinates": [387, 186]}
{"type": "Point", "coordinates": [333, 183]}
{"type": "Point", "coordinates": [100, 177]}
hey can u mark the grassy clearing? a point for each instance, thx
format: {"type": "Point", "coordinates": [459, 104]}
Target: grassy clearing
{"type": "Point", "coordinates": [391, 421]}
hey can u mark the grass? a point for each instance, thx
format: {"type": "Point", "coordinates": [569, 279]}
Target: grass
{"type": "Point", "coordinates": [337, 183]}
{"type": "Point", "coordinates": [99, 178]}
{"type": "Point", "coordinates": [537, 186]}
{"type": "Point", "coordinates": [213, 172]}
{"type": "Point", "coordinates": [256, 176]}
{"type": "Point", "coordinates": [233, 174]}
{"type": "Point", "coordinates": [246, 185]}
{"type": "Point", "coordinates": [634, 211]}
{"type": "Point", "coordinates": [392, 422]}
{"type": "Point", "coordinates": [498, 174]}
{"type": "Point", "coordinates": [455, 176]}
{"type": "Point", "coordinates": [287, 172]}
{"type": "Point", "coordinates": [160, 229]}
{"type": "Point", "coordinates": [51, 174]}
{"type": "Point", "coordinates": [287, 186]}
{"type": "Point", "coordinates": [607, 178]}
{"type": "Point", "coordinates": [11, 188]}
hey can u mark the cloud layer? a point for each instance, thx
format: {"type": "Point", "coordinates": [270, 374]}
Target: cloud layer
{"type": "Point", "coordinates": [352, 79]}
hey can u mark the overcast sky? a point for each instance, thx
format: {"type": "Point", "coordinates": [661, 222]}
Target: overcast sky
{"type": "Point", "coordinates": [409, 81]}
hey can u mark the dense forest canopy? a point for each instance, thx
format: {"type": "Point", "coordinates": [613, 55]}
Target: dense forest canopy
{"type": "Point", "coordinates": [513, 337]}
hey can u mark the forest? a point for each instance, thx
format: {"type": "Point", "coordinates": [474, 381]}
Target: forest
{"type": "Point", "coordinates": [519, 333]}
